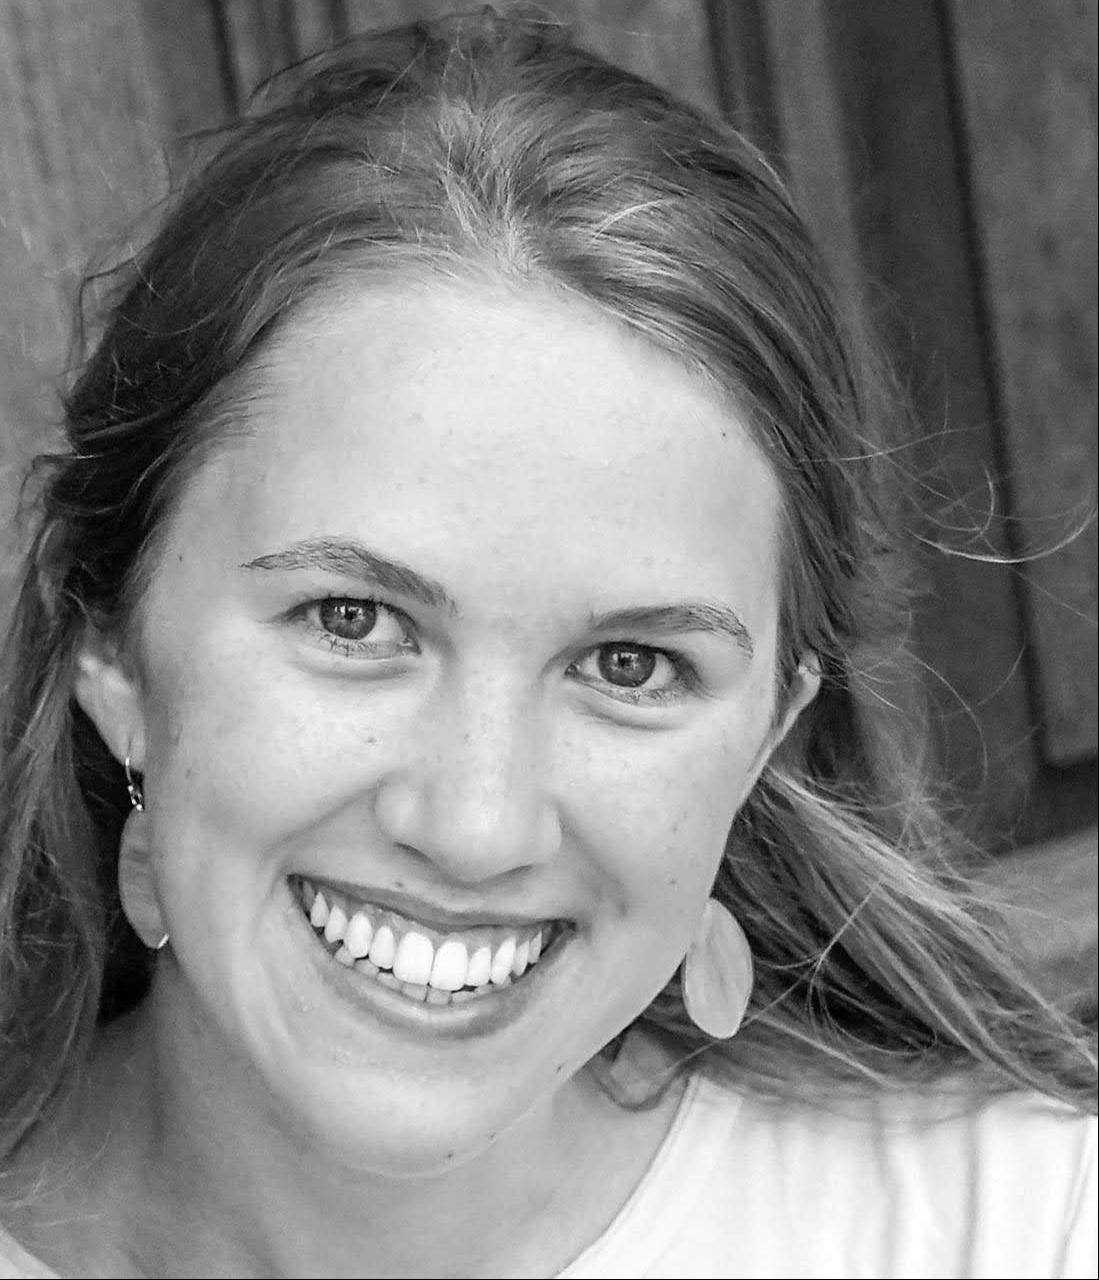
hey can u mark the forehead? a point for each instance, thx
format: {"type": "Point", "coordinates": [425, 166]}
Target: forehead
{"type": "Point", "coordinates": [520, 427]}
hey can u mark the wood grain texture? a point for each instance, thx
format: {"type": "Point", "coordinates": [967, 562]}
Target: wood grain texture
{"type": "Point", "coordinates": [813, 131]}
{"type": "Point", "coordinates": [86, 110]}
{"type": "Point", "coordinates": [1027, 75]}
{"type": "Point", "coordinates": [261, 37]}
{"type": "Point", "coordinates": [742, 67]}
{"type": "Point", "coordinates": [864, 101]}
{"type": "Point", "coordinates": [184, 72]}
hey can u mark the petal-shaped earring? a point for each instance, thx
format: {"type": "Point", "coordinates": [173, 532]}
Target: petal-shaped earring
{"type": "Point", "coordinates": [135, 883]}
{"type": "Point", "coordinates": [717, 974]}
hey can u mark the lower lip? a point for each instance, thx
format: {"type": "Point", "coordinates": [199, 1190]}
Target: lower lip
{"type": "Point", "coordinates": [465, 1020]}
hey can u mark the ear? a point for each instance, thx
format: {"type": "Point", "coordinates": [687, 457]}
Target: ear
{"type": "Point", "coordinates": [804, 687]}
{"type": "Point", "coordinates": [108, 692]}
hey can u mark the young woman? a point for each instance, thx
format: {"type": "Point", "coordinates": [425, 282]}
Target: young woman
{"type": "Point", "coordinates": [439, 836]}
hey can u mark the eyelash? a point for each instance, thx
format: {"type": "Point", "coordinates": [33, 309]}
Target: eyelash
{"type": "Point", "coordinates": [308, 613]}
{"type": "Point", "coordinates": [686, 677]}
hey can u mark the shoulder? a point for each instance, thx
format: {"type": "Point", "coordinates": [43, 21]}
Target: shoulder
{"type": "Point", "coordinates": [17, 1264]}
{"type": "Point", "coordinates": [939, 1185]}
{"type": "Point", "coordinates": [896, 1186]}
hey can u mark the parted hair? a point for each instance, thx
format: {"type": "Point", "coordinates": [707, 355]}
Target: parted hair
{"type": "Point", "coordinates": [495, 147]}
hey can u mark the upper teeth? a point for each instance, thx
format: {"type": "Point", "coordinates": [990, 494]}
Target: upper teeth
{"type": "Point", "coordinates": [446, 963]}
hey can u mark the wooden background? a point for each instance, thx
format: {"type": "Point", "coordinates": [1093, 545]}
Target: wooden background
{"type": "Point", "coordinates": [944, 152]}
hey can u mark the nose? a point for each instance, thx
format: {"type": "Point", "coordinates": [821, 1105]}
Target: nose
{"type": "Point", "coordinates": [473, 798]}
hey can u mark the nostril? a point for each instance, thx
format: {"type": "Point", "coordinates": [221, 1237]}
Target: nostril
{"type": "Point", "coordinates": [400, 811]}
{"type": "Point", "coordinates": [472, 832]}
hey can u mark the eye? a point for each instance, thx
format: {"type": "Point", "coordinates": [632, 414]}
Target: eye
{"type": "Point", "coordinates": [635, 672]}
{"type": "Point", "coordinates": [358, 628]}
{"type": "Point", "coordinates": [628, 666]}
{"type": "Point", "coordinates": [348, 619]}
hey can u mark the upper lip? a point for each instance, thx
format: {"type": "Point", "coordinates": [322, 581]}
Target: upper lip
{"type": "Point", "coordinates": [428, 912]}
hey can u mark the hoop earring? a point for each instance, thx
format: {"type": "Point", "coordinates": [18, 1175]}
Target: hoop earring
{"type": "Point", "coordinates": [135, 882]}
{"type": "Point", "coordinates": [717, 974]}
{"type": "Point", "coordinates": [133, 788]}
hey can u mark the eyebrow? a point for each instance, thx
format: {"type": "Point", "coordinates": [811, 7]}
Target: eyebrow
{"type": "Point", "coordinates": [713, 619]}
{"type": "Point", "coordinates": [349, 558]}
{"type": "Point", "coordinates": [353, 560]}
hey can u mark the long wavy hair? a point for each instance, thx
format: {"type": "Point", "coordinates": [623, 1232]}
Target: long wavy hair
{"type": "Point", "coordinates": [497, 146]}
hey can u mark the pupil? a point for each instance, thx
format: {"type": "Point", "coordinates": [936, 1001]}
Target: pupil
{"type": "Point", "coordinates": [348, 619]}
{"type": "Point", "coordinates": [628, 666]}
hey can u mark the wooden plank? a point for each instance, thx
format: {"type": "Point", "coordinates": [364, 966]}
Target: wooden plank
{"type": "Point", "coordinates": [813, 130]}
{"type": "Point", "coordinates": [743, 81]}
{"type": "Point", "coordinates": [316, 24]}
{"type": "Point", "coordinates": [864, 101]}
{"type": "Point", "coordinates": [812, 124]}
{"type": "Point", "coordinates": [183, 69]}
{"type": "Point", "coordinates": [260, 38]}
{"type": "Point", "coordinates": [84, 110]}
{"type": "Point", "coordinates": [1027, 77]}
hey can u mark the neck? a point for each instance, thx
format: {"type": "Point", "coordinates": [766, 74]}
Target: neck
{"type": "Point", "coordinates": [198, 1175]}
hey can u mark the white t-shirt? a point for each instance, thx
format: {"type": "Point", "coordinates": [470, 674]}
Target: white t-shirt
{"type": "Point", "coordinates": [742, 1189]}
{"type": "Point", "coordinates": [745, 1189]}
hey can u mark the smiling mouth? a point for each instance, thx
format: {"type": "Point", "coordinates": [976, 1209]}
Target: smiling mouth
{"type": "Point", "coordinates": [421, 963]}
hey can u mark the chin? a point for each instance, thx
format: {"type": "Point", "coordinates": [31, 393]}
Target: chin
{"type": "Point", "coordinates": [404, 1136]}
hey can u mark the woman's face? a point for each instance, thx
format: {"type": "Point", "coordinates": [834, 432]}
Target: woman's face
{"type": "Point", "coordinates": [472, 631]}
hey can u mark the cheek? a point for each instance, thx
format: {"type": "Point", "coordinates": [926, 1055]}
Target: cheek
{"type": "Point", "coordinates": [228, 745]}
{"type": "Point", "coordinates": [657, 816]}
